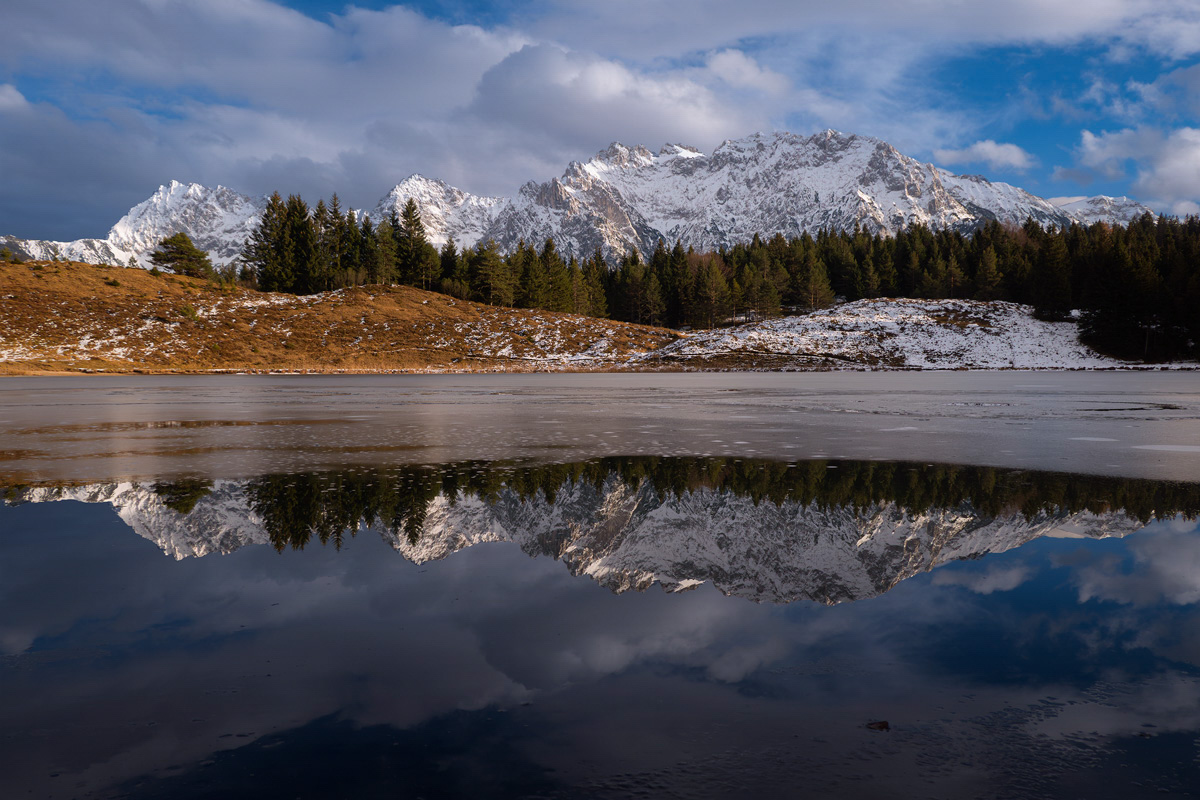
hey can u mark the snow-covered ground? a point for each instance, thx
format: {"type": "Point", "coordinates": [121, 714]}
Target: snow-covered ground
{"type": "Point", "coordinates": [898, 334]}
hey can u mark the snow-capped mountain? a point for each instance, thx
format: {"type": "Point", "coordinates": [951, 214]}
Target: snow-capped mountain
{"type": "Point", "coordinates": [628, 197]}
{"type": "Point", "coordinates": [1113, 210]}
{"type": "Point", "coordinates": [627, 536]}
{"type": "Point", "coordinates": [765, 183]}
{"type": "Point", "coordinates": [220, 522]}
{"type": "Point", "coordinates": [445, 211]}
{"type": "Point", "coordinates": [217, 220]}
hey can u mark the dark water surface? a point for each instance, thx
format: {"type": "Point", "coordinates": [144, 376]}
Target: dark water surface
{"type": "Point", "coordinates": [601, 586]}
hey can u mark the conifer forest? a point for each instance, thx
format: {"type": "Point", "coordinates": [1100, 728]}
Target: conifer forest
{"type": "Point", "coordinates": [1137, 288]}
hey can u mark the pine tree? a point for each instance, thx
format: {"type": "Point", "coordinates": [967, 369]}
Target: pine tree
{"type": "Point", "coordinates": [350, 245]}
{"type": "Point", "coordinates": [177, 253]}
{"type": "Point", "coordinates": [300, 247]}
{"type": "Point", "coordinates": [386, 247]}
{"type": "Point", "coordinates": [596, 274]}
{"type": "Point", "coordinates": [411, 243]}
{"type": "Point", "coordinates": [266, 246]}
{"type": "Point", "coordinates": [322, 266]}
{"type": "Point", "coordinates": [711, 293]}
{"type": "Point", "coordinates": [558, 282]}
{"type": "Point", "coordinates": [955, 279]}
{"type": "Point", "coordinates": [1052, 281]}
{"type": "Point", "coordinates": [868, 278]}
{"type": "Point", "coordinates": [652, 306]}
{"type": "Point", "coordinates": [336, 244]}
{"type": "Point", "coordinates": [491, 279]}
{"type": "Point", "coordinates": [453, 278]}
{"type": "Point", "coordinates": [812, 284]}
{"type": "Point", "coordinates": [579, 294]}
{"type": "Point", "coordinates": [987, 277]}
{"type": "Point", "coordinates": [448, 259]}
{"type": "Point", "coordinates": [532, 289]}
{"type": "Point", "coordinates": [368, 256]}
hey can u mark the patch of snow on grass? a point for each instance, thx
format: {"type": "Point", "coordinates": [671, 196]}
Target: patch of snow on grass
{"type": "Point", "coordinates": [905, 334]}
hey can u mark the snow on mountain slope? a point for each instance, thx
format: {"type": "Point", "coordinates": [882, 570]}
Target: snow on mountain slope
{"type": "Point", "coordinates": [626, 536]}
{"type": "Point", "coordinates": [1101, 208]}
{"type": "Point", "coordinates": [220, 522]}
{"type": "Point", "coordinates": [1003, 202]}
{"type": "Point", "coordinates": [764, 183]}
{"type": "Point", "coordinates": [903, 334]}
{"type": "Point", "coordinates": [445, 210]}
{"type": "Point", "coordinates": [217, 220]}
{"type": "Point", "coordinates": [628, 197]}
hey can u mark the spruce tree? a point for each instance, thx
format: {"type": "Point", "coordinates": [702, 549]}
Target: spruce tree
{"type": "Point", "coordinates": [812, 285]}
{"type": "Point", "coordinates": [411, 245]}
{"type": "Point", "coordinates": [490, 277]}
{"type": "Point", "coordinates": [265, 248]}
{"type": "Point", "coordinates": [988, 277]}
{"type": "Point", "coordinates": [323, 261]}
{"type": "Point", "coordinates": [178, 254]}
{"type": "Point", "coordinates": [711, 293]}
{"type": "Point", "coordinates": [558, 282]}
{"type": "Point", "coordinates": [532, 287]}
{"type": "Point", "coordinates": [300, 251]}
{"type": "Point", "coordinates": [579, 293]}
{"type": "Point", "coordinates": [1052, 281]}
{"type": "Point", "coordinates": [336, 245]}
{"type": "Point", "coordinates": [368, 256]}
{"type": "Point", "coordinates": [383, 269]}
{"type": "Point", "coordinates": [596, 275]}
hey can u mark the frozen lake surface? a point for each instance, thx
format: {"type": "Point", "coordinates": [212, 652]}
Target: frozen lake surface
{"type": "Point", "coordinates": [1129, 424]}
{"type": "Point", "coordinates": [601, 586]}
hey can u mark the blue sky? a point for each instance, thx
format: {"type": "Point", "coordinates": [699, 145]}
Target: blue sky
{"type": "Point", "coordinates": [100, 102]}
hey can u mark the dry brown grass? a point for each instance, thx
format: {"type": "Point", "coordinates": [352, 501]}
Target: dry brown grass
{"type": "Point", "coordinates": [60, 317]}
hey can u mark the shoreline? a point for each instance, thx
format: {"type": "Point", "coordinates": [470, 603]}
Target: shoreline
{"type": "Point", "coordinates": [568, 370]}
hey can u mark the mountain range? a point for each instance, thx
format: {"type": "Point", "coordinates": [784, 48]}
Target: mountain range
{"type": "Point", "coordinates": [628, 197]}
{"type": "Point", "coordinates": [627, 536]}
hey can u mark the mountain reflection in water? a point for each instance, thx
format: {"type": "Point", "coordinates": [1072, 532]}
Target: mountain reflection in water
{"type": "Point", "coordinates": [829, 531]}
{"type": "Point", "coordinates": [1064, 667]}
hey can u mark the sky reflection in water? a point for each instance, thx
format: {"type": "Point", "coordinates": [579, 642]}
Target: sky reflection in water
{"type": "Point", "coordinates": [1062, 667]}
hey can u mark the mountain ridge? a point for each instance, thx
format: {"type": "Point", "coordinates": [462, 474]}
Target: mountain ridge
{"type": "Point", "coordinates": [625, 535]}
{"type": "Point", "coordinates": [626, 197]}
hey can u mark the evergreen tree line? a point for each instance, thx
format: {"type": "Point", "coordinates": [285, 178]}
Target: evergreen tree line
{"type": "Point", "coordinates": [1138, 286]}
{"type": "Point", "coordinates": [302, 251]}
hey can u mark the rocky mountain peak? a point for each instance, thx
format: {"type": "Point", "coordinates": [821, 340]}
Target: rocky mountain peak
{"type": "Point", "coordinates": [626, 535]}
{"type": "Point", "coordinates": [619, 155]}
{"type": "Point", "coordinates": [628, 197]}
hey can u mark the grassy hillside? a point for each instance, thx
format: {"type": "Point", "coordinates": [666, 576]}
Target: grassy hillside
{"type": "Point", "coordinates": [71, 317]}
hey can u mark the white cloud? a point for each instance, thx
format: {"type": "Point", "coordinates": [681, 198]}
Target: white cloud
{"type": "Point", "coordinates": [995, 154]}
{"type": "Point", "coordinates": [741, 71]}
{"type": "Point", "coordinates": [1168, 27]}
{"type": "Point", "coordinates": [992, 579]}
{"type": "Point", "coordinates": [570, 97]}
{"type": "Point", "coordinates": [1167, 163]}
{"type": "Point", "coordinates": [258, 96]}
{"type": "Point", "coordinates": [1166, 569]}
{"type": "Point", "coordinates": [11, 99]}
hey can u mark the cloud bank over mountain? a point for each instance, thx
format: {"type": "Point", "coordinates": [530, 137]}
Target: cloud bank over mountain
{"type": "Point", "coordinates": [99, 103]}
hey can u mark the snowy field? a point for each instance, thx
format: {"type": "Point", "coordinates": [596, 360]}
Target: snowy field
{"type": "Point", "coordinates": [897, 334]}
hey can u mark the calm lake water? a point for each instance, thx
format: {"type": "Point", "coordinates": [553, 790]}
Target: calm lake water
{"type": "Point", "coordinates": [826, 585]}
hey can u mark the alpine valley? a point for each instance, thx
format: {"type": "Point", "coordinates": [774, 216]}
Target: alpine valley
{"type": "Point", "coordinates": [628, 197]}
